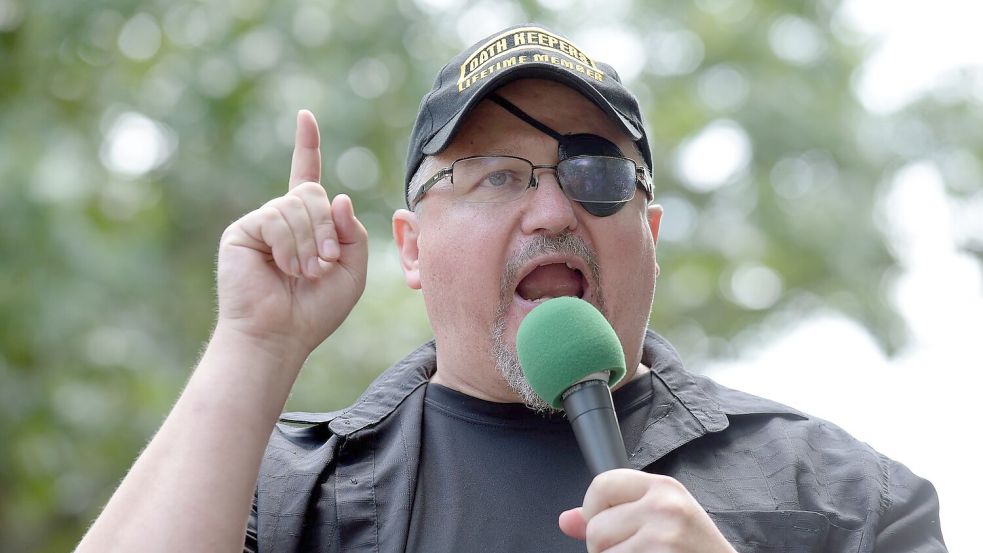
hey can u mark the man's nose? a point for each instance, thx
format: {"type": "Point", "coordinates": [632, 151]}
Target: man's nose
{"type": "Point", "coordinates": [547, 208]}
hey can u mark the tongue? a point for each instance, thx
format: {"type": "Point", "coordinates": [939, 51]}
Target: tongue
{"type": "Point", "coordinates": [551, 281]}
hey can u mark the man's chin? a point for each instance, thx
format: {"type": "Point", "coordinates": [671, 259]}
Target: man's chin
{"type": "Point", "coordinates": [507, 362]}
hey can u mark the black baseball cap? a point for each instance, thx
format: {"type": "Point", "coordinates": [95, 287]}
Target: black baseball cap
{"type": "Point", "coordinates": [519, 52]}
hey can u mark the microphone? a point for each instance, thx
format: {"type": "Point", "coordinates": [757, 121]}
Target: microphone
{"type": "Point", "coordinates": [571, 356]}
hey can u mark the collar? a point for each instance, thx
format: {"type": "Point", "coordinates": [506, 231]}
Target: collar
{"type": "Point", "coordinates": [690, 406]}
{"type": "Point", "coordinates": [709, 402]}
{"type": "Point", "coordinates": [705, 404]}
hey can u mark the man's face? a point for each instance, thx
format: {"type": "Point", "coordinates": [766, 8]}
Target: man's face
{"type": "Point", "coordinates": [483, 267]}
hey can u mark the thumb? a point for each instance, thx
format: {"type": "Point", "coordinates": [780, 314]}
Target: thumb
{"type": "Point", "coordinates": [352, 237]}
{"type": "Point", "coordinates": [573, 524]}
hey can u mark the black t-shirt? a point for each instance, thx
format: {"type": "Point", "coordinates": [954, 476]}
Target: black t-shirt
{"type": "Point", "coordinates": [496, 476]}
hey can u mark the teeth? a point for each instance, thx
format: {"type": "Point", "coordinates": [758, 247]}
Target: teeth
{"type": "Point", "coordinates": [567, 263]}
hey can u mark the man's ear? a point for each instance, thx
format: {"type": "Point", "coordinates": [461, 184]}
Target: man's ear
{"type": "Point", "coordinates": [654, 215]}
{"type": "Point", "coordinates": [406, 232]}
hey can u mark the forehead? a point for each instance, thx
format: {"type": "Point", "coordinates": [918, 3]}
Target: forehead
{"type": "Point", "coordinates": [491, 129]}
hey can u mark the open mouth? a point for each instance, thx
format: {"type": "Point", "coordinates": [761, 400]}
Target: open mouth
{"type": "Point", "coordinates": [552, 279]}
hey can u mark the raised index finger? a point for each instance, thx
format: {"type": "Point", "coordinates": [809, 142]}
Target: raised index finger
{"type": "Point", "coordinates": [306, 163]}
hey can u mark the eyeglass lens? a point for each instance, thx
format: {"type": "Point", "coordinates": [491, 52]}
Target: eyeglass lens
{"type": "Point", "coordinates": [490, 179]}
{"type": "Point", "coordinates": [494, 179]}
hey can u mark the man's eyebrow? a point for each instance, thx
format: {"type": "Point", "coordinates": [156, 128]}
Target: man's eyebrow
{"type": "Point", "coordinates": [508, 150]}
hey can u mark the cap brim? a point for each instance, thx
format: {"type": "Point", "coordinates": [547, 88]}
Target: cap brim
{"type": "Point", "coordinates": [445, 134]}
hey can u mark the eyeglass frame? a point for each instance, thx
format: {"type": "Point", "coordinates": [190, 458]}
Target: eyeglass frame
{"type": "Point", "coordinates": [643, 179]}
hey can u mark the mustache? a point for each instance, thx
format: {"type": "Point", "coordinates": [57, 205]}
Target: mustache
{"type": "Point", "coordinates": [567, 243]}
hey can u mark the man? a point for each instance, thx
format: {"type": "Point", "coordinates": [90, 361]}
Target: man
{"type": "Point", "coordinates": [528, 177]}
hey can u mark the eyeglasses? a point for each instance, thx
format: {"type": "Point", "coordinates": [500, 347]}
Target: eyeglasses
{"type": "Point", "coordinates": [602, 184]}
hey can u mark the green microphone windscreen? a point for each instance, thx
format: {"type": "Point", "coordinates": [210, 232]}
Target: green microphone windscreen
{"type": "Point", "coordinates": [563, 340]}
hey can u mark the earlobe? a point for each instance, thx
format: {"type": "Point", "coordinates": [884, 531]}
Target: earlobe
{"type": "Point", "coordinates": [406, 233]}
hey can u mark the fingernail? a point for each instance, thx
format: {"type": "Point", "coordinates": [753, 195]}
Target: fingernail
{"type": "Point", "coordinates": [295, 267]}
{"type": "Point", "coordinates": [330, 249]}
{"type": "Point", "coordinates": [313, 268]}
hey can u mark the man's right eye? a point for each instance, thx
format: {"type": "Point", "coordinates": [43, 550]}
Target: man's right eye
{"type": "Point", "coordinates": [498, 179]}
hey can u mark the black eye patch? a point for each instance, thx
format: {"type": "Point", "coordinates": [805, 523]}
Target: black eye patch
{"type": "Point", "coordinates": [572, 145]}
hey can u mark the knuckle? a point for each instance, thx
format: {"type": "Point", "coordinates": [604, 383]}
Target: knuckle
{"type": "Point", "coordinates": [306, 247]}
{"type": "Point", "coordinates": [268, 214]}
{"type": "Point", "coordinates": [326, 226]}
{"type": "Point", "coordinates": [673, 507]}
{"type": "Point", "coordinates": [592, 530]}
{"type": "Point", "coordinates": [671, 482]}
{"type": "Point", "coordinates": [615, 479]}
{"type": "Point", "coordinates": [675, 520]}
{"type": "Point", "coordinates": [281, 203]}
{"type": "Point", "coordinates": [229, 232]}
{"type": "Point", "coordinates": [606, 479]}
{"type": "Point", "coordinates": [309, 188]}
{"type": "Point", "coordinates": [596, 538]}
{"type": "Point", "coordinates": [291, 202]}
{"type": "Point", "coordinates": [668, 487]}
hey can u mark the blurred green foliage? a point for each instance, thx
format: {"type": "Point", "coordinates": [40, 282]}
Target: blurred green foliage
{"type": "Point", "coordinates": [132, 132]}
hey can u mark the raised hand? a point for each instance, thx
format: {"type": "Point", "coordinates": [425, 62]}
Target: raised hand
{"type": "Point", "coordinates": [291, 271]}
{"type": "Point", "coordinates": [288, 274]}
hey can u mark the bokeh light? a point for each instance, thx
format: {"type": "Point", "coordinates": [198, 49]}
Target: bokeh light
{"type": "Point", "coordinates": [714, 156]}
{"type": "Point", "coordinates": [136, 144]}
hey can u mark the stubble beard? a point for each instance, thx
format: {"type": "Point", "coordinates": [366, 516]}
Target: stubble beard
{"type": "Point", "coordinates": [506, 358]}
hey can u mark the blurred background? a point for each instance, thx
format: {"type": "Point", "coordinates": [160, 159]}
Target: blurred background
{"type": "Point", "coordinates": [819, 163]}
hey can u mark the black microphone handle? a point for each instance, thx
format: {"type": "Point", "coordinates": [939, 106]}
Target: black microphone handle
{"type": "Point", "coordinates": [590, 410]}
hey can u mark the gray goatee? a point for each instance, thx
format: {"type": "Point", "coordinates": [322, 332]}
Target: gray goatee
{"type": "Point", "coordinates": [506, 358]}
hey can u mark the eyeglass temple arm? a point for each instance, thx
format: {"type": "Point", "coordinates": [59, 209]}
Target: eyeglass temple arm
{"type": "Point", "coordinates": [645, 181]}
{"type": "Point", "coordinates": [429, 184]}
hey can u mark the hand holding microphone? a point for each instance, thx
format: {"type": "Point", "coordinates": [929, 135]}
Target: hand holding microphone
{"type": "Point", "coordinates": [571, 355]}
